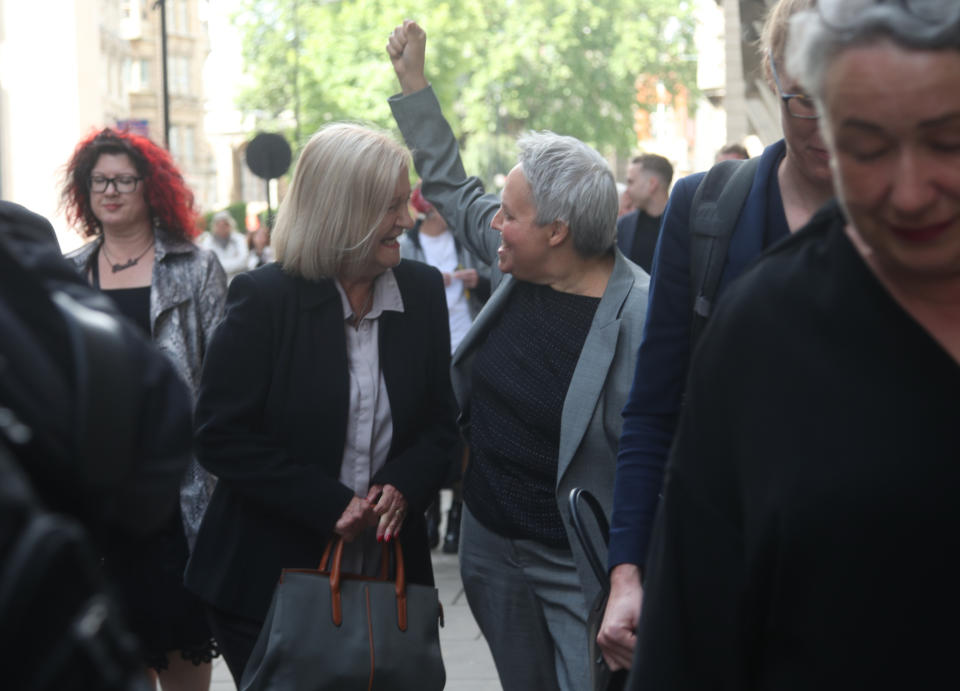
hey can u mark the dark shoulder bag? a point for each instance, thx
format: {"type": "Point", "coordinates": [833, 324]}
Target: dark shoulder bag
{"type": "Point", "coordinates": [603, 678]}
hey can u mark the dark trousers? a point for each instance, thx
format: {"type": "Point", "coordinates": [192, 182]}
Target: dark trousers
{"type": "Point", "coordinates": [542, 643]}
{"type": "Point", "coordinates": [235, 637]}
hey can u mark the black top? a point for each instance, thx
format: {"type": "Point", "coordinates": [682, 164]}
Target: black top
{"type": "Point", "coordinates": [134, 304]}
{"type": "Point", "coordinates": [520, 380]}
{"type": "Point", "coordinates": [637, 235]}
{"type": "Point", "coordinates": [809, 535]}
{"type": "Point", "coordinates": [776, 227]}
{"type": "Point", "coordinates": [645, 240]}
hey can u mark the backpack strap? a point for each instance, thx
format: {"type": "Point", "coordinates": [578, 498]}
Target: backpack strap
{"type": "Point", "coordinates": [714, 212]}
{"type": "Point", "coordinates": [50, 559]}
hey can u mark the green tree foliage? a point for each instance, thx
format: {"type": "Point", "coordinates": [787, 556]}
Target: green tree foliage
{"type": "Point", "coordinates": [498, 66]}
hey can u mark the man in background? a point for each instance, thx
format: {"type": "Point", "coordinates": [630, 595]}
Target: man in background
{"type": "Point", "coordinates": [228, 243]}
{"type": "Point", "coordinates": [648, 186]}
{"type": "Point", "coordinates": [733, 152]}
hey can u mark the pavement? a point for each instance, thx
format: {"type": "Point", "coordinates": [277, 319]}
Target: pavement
{"type": "Point", "coordinates": [466, 655]}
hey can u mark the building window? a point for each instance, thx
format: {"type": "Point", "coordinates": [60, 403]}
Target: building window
{"type": "Point", "coordinates": [183, 16]}
{"type": "Point", "coordinates": [178, 17]}
{"type": "Point", "coordinates": [187, 145]}
{"type": "Point", "coordinates": [173, 145]}
{"type": "Point", "coordinates": [179, 77]}
{"type": "Point", "coordinates": [182, 144]}
{"type": "Point", "coordinates": [142, 75]}
{"type": "Point", "coordinates": [136, 75]}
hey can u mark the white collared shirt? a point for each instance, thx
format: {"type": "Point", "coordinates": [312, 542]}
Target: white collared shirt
{"type": "Point", "coordinates": [369, 419]}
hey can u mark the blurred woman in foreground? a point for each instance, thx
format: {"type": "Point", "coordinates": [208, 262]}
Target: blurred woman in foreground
{"type": "Point", "coordinates": [810, 536]}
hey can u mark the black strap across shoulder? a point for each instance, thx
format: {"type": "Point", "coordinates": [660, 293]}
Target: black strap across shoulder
{"type": "Point", "coordinates": [716, 206]}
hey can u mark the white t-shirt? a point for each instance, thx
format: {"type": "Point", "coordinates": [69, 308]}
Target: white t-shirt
{"type": "Point", "coordinates": [441, 252]}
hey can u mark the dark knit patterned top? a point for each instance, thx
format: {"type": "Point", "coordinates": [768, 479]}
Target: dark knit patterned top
{"type": "Point", "coordinates": [520, 379]}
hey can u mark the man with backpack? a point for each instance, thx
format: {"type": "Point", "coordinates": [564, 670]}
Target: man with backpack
{"type": "Point", "coordinates": [714, 226]}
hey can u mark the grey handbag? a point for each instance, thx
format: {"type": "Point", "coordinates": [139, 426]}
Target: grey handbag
{"type": "Point", "coordinates": [331, 630]}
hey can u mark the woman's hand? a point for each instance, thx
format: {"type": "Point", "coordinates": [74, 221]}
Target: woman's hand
{"type": "Point", "coordinates": [618, 631]}
{"type": "Point", "coordinates": [357, 517]}
{"type": "Point", "coordinates": [407, 46]}
{"type": "Point", "coordinates": [468, 276]}
{"type": "Point", "coordinates": [391, 508]}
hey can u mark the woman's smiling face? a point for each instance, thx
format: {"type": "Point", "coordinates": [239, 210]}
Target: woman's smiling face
{"type": "Point", "coordinates": [385, 252]}
{"type": "Point", "coordinates": [893, 127]}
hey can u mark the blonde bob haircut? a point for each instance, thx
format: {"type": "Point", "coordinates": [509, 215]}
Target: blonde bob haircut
{"type": "Point", "coordinates": [773, 36]}
{"type": "Point", "coordinates": [342, 186]}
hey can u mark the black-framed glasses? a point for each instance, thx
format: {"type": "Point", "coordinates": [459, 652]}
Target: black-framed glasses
{"type": "Point", "coordinates": [123, 184]}
{"type": "Point", "coordinates": [798, 105]}
{"type": "Point", "coordinates": [842, 15]}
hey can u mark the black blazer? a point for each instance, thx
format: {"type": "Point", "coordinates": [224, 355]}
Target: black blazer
{"type": "Point", "coordinates": [627, 226]}
{"type": "Point", "coordinates": [271, 424]}
{"type": "Point", "coordinates": [626, 230]}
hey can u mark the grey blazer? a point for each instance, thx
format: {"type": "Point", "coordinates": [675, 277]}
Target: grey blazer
{"type": "Point", "coordinates": [591, 417]}
{"type": "Point", "coordinates": [187, 294]}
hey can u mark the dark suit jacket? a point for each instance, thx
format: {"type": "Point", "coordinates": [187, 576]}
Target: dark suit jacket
{"type": "Point", "coordinates": [627, 226]}
{"type": "Point", "coordinates": [271, 423]}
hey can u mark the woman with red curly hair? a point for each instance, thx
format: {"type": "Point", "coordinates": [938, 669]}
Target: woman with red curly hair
{"type": "Point", "coordinates": [126, 193]}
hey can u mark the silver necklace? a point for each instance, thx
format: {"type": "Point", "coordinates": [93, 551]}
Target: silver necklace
{"type": "Point", "coordinates": [363, 310]}
{"type": "Point", "coordinates": [115, 267]}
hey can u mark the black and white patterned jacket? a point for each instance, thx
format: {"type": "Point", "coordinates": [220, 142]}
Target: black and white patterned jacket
{"type": "Point", "coordinates": [187, 294]}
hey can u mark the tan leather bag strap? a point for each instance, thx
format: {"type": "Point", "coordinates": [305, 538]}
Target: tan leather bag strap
{"type": "Point", "coordinates": [336, 607]}
{"type": "Point", "coordinates": [336, 577]}
{"type": "Point", "coordinates": [400, 588]}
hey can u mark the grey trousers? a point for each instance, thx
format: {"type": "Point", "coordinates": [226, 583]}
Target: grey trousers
{"type": "Point", "coordinates": [528, 602]}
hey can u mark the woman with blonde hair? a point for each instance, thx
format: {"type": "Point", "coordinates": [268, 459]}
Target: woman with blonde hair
{"type": "Point", "coordinates": [342, 420]}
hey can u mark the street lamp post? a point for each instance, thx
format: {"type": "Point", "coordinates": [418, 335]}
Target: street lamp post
{"type": "Point", "coordinates": [163, 71]}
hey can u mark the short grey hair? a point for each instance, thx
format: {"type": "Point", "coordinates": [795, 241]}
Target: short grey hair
{"type": "Point", "coordinates": [813, 44]}
{"type": "Point", "coordinates": [341, 189]}
{"type": "Point", "coordinates": [224, 216]}
{"type": "Point", "coordinates": [572, 183]}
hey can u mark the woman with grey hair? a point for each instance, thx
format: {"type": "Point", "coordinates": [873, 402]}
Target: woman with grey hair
{"type": "Point", "coordinates": [809, 536]}
{"type": "Point", "coordinates": [225, 241]}
{"type": "Point", "coordinates": [325, 407]}
{"type": "Point", "coordinates": [541, 377]}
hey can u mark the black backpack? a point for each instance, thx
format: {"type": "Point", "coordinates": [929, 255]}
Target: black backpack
{"type": "Point", "coordinates": [59, 628]}
{"type": "Point", "coordinates": [716, 206]}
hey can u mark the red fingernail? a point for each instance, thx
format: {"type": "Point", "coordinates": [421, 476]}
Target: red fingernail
{"type": "Point", "coordinates": [379, 538]}
{"type": "Point", "coordinates": [389, 537]}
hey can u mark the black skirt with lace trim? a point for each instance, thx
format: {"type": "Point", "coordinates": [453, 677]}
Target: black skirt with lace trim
{"type": "Point", "coordinates": [148, 579]}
